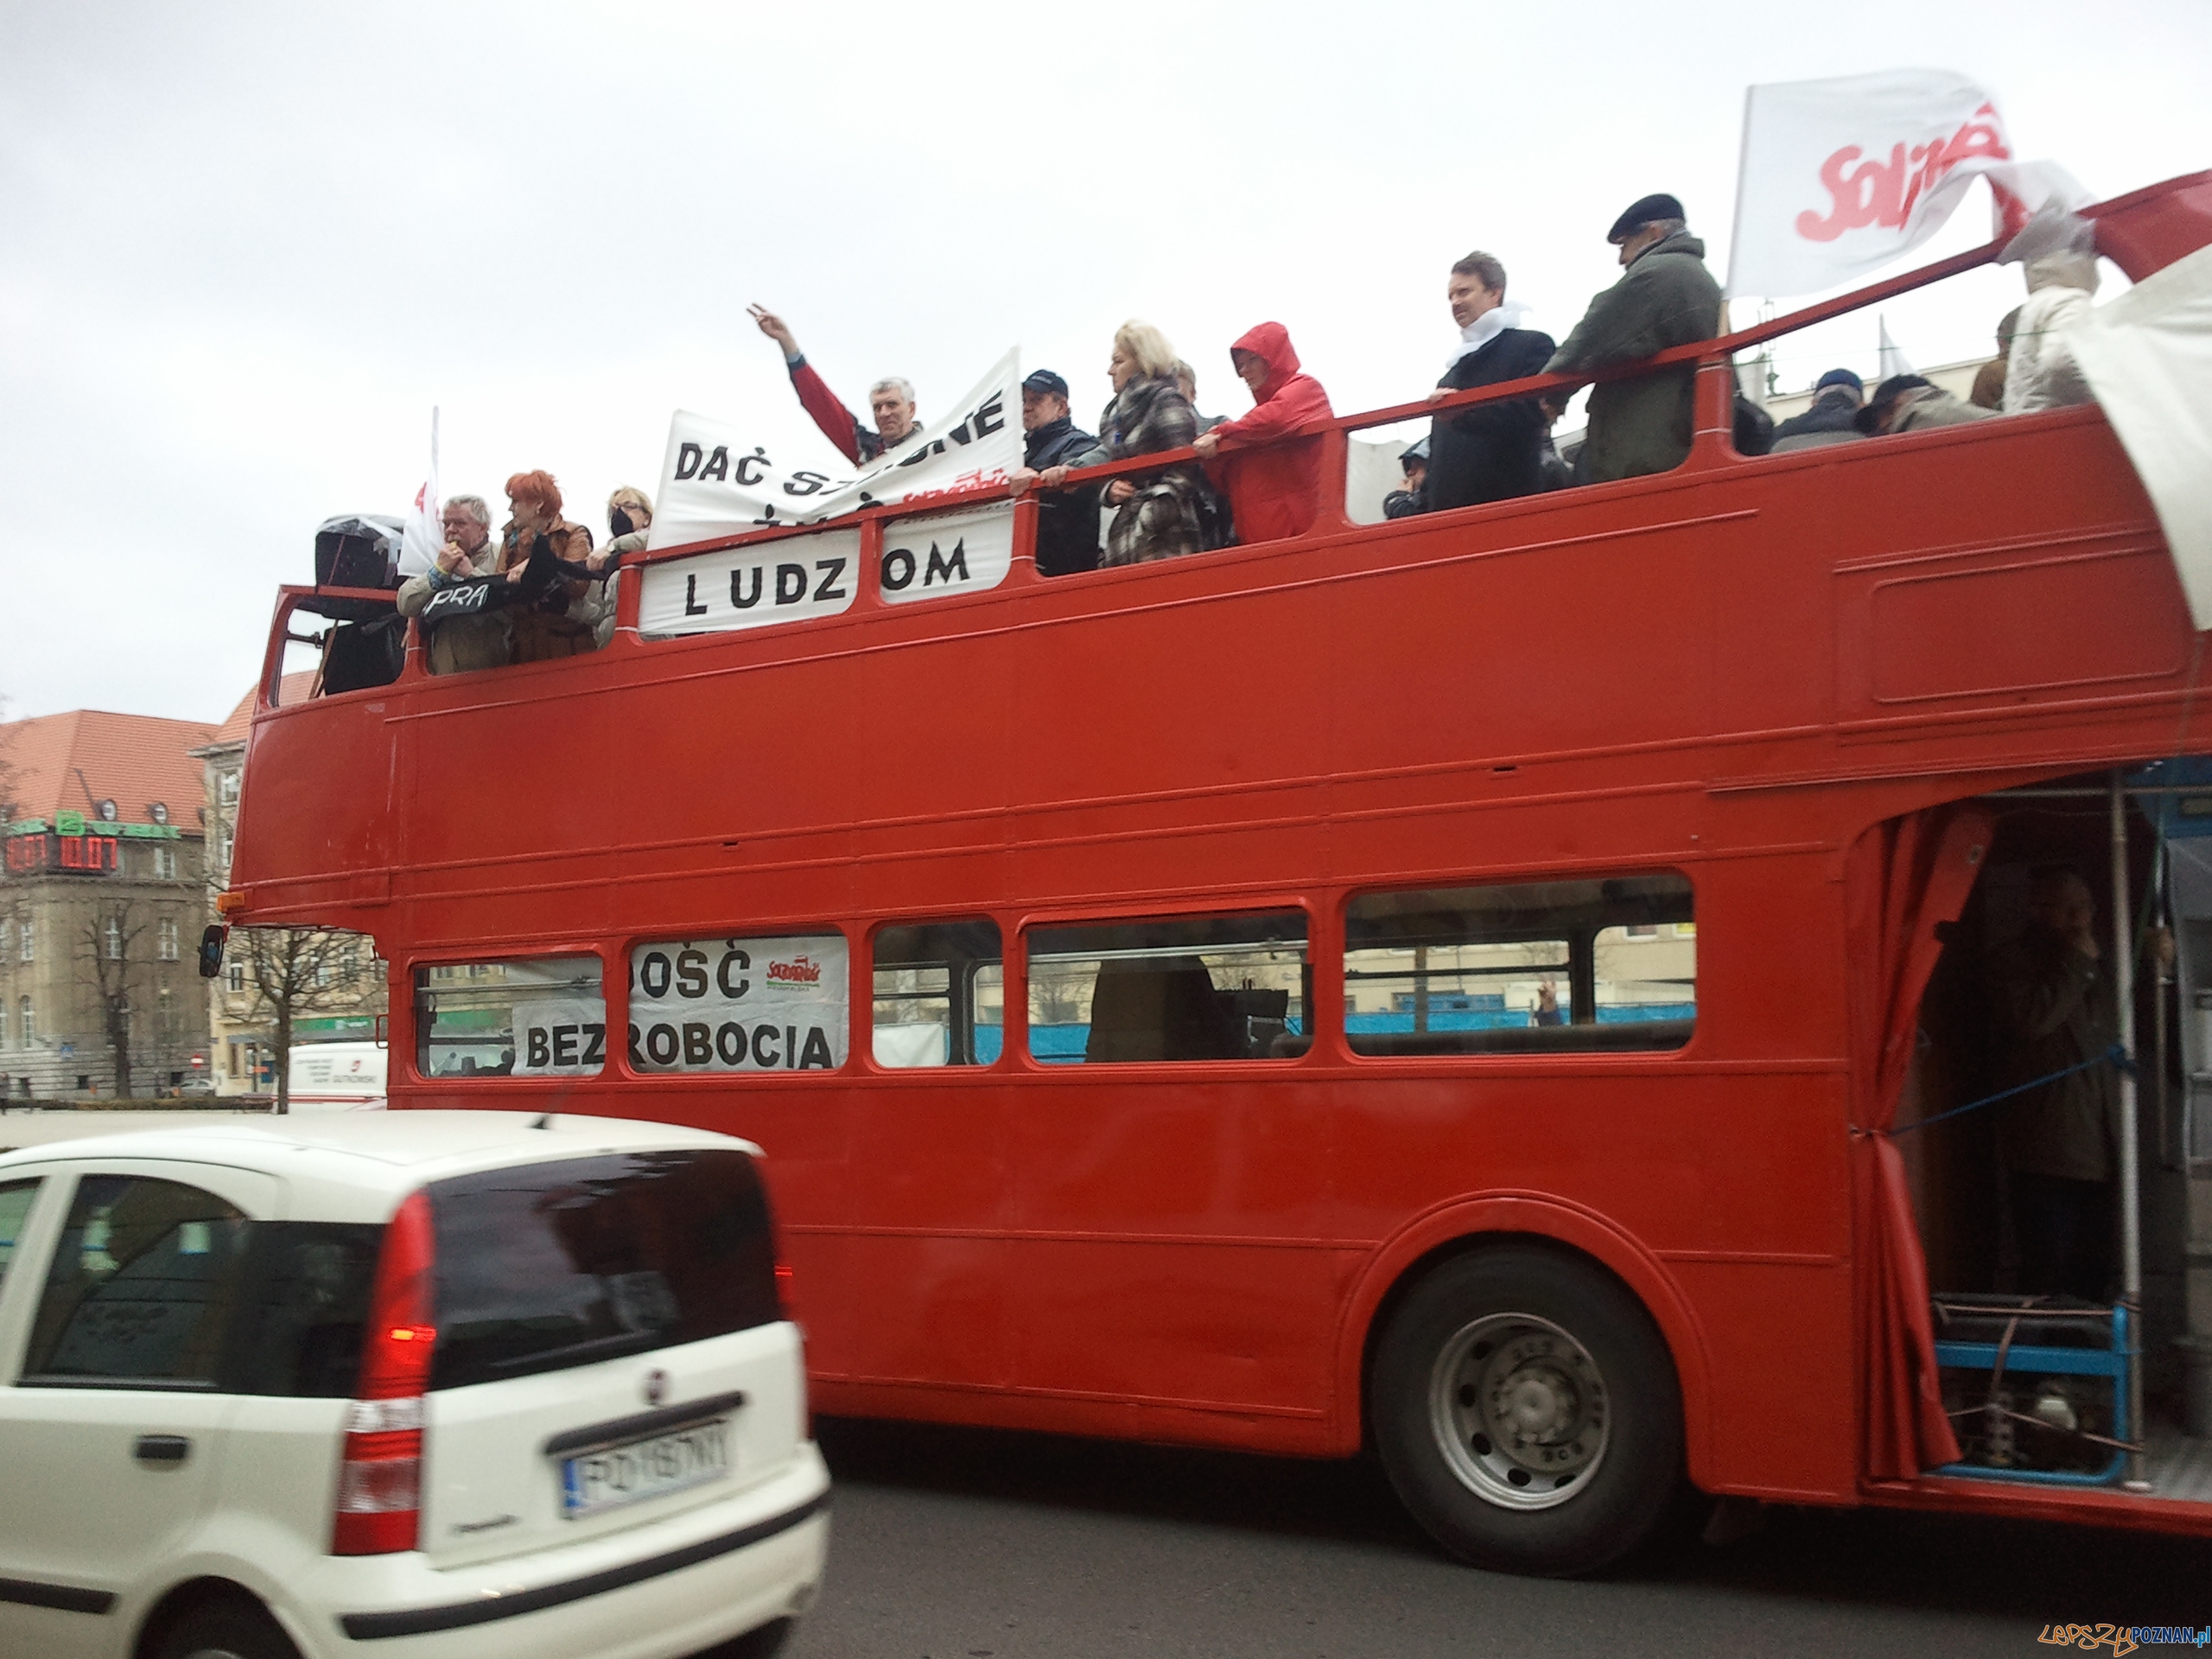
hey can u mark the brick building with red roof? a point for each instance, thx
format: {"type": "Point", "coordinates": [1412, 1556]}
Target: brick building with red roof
{"type": "Point", "coordinates": [102, 898]}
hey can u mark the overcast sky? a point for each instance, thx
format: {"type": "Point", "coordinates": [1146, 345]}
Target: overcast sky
{"type": "Point", "coordinates": [244, 249]}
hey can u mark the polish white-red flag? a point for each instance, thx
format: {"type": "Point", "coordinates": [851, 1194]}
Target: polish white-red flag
{"type": "Point", "coordinates": [1839, 177]}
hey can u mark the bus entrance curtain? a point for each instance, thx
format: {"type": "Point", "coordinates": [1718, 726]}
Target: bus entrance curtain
{"type": "Point", "coordinates": [1903, 878]}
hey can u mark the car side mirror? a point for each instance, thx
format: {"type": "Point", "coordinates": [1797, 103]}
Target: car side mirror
{"type": "Point", "coordinates": [211, 949]}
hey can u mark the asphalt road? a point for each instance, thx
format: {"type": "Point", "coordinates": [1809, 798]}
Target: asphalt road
{"type": "Point", "coordinates": [962, 1544]}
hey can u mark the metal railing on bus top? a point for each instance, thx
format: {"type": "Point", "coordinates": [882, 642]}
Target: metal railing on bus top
{"type": "Point", "coordinates": [2139, 232]}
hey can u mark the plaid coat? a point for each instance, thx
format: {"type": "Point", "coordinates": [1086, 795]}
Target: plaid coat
{"type": "Point", "coordinates": [1162, 520]}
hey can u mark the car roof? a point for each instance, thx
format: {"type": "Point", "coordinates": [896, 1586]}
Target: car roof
{"type": "Point", "coordinates": [383, 1153]}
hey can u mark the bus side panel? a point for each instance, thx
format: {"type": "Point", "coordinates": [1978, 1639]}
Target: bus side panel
{"type": "Point", "coordinates": [920, 1236]}
{"type": "Point", "coordinates": [1166, 1250]}
{"type": "Point", "coordinates": [1784, 1404]}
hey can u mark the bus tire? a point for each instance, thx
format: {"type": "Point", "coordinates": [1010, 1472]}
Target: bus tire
{"type": "Point", "coordinates": [1527, 1411]}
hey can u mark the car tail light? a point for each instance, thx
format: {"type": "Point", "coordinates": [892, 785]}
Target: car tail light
{"type": "Point", "coordinates": [785, 1303]}
{"type": "Point", "coordinates": [380, 1477]}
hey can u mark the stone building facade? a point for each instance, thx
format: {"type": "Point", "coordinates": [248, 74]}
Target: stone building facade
{"type": "Point", "coordinates": [102, 901]}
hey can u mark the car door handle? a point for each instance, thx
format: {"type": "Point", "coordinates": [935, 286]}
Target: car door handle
{"type": "Point", "coordinates": [161, 1448]}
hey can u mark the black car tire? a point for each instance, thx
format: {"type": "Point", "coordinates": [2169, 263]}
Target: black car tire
{"type": "Point", "coordinates": [1527, 1410]}
{"type": "Point", "coordinates": [229, 1627]}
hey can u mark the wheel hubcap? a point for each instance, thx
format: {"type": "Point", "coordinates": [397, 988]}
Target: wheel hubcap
{"type": "Point", "coordinates": [1519, 1410]}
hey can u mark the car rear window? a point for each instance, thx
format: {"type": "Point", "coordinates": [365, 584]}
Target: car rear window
{"type": "Point", "coordinates": [559, 1264]}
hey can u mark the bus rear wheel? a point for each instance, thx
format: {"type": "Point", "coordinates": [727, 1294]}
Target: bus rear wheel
{"type": "Point", "coordinates": [1528, 1412]}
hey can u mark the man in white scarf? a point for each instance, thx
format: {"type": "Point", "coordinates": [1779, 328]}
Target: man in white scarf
{"type": "Point", "coordinates": [1492, 452]}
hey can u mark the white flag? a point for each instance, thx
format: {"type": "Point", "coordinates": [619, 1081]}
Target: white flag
{"type": "Point", "coordinates": [1842, 177]}
{"type": "Point", "coordinates": [1888, 360]}
{"type": "Point", "coordinates": [423, 536]}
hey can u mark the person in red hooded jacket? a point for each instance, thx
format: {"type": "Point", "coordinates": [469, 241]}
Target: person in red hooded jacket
{"type": "Point", "coordinates": [1273, 488]}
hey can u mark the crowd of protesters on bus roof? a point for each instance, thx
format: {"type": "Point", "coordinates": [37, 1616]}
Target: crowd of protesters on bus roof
{"type": "Point", "coordinates": [562, 601]}
{"type": "Point", "coordinates": [1257, 478]}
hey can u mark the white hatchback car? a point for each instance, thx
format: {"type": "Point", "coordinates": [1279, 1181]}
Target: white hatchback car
{"type": "Point", "coordinates": [407, 1384]}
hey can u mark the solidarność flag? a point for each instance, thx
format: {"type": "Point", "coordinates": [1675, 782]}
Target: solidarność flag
{"type": "Point", "coordinates": [1839, 177]}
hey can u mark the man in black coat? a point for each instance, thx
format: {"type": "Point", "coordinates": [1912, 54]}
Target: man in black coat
{"type": "Point", "coordinates": [1492, 452]}
{"type": "Point", "coordinates": [1067, 521]}
{"type": "Point", "coordinates": [1832, 417]}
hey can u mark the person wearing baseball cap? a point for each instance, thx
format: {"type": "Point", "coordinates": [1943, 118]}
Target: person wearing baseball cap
{"type": "Point", "coordinates": [1829, 418]}
{"type": "Point", "coordinates": [1665, 298]}
{"type": "Point", "coordinates": [1067, 521]}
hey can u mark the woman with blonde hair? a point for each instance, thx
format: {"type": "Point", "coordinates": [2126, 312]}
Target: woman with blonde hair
{"type": "Point", "coordinates": [629, 517]}
{"type": "Point", "coordinates": [1158, 516]}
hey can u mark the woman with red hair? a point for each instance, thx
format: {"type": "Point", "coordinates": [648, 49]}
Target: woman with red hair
{"type": "Point", "coordinates": [545, 629]}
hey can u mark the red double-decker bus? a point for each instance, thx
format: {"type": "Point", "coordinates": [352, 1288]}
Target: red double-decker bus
{"type": "Point", "coordinates": [1446, 983]}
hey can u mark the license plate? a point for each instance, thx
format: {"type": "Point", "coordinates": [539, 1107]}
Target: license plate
{"type": "Point", "coordinates": [616, 1475]}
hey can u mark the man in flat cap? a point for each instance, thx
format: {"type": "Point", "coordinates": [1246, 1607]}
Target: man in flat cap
{"type": "Point", "coordinates": [1067, 521]}
{"type": "Point", "coordinates": [1667, 298]}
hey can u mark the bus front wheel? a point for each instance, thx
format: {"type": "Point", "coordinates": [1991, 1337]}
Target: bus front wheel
{"type": "Point", "coordinates": [1527, 1410]}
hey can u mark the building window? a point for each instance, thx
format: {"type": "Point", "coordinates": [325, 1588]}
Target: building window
{"type": "Point", "coordinates": [165, 863]}
{"type": "Point", "coordinates": [4, 1025]}
{"type": "Point", "coordinates": [114, 939]}
{"type": "Point", "coordinates": [7, 935]}
{"type": "Point", "coordinates": [168, 944]}
{"type": "Point", "coordinates": [25, 934]}
{"type": "Point", "coordinates": [234, 978]}
{"type": "Point", "coordinates": [168, 1025]}
{"type": "Point", "coordinates": [25, 1027]}
{"type": "Point", "coordinates": [227, 788]}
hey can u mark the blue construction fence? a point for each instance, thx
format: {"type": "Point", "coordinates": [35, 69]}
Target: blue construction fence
{"type": "Point", "coordinates": [1069, 1043]}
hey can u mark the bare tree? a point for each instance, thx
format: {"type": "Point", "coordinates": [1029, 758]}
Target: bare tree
{"type": "Point", "coordinates": [292, 971]}
{"type": "Point", "coordinates": [111, 939]}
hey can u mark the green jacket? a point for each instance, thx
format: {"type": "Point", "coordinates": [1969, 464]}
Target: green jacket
{"type": "Point", "coordinates": [1666, 298]}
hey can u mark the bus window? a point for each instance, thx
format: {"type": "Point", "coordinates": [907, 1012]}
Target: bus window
{"type": "Point", "coordinates": [537, 1017]}
{"type": "Point", "coordinates": [1226, 987]}
{"type": "Point", "coordinates": [1608, 964]}
{"type": "Point", "coordinates": [940, 995]}
{"type": "Point", "coordinates": [739, 1004]}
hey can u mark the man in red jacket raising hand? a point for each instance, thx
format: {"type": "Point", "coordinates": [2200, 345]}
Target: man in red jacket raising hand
{"type": "Point", "coordinates": [892, 400]}
{"type": "Point", "coordinates": [1274, 491]}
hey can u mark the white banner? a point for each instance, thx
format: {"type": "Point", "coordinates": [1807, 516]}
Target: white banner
{"type": "Point", "coordinates": [738, 1005]}
{"type": "Point", "coordinates": [560, 1037]}
{"type": "Point", "coordinates": [947, 553]}
{"type": "Point", "coordinates": [716, 479]}
{"type": "Point", "coordinates": [1842, 176]}
{"type": "Point", "coordinates": [785, 580]}
{"type": "Point", "coordinates": [2148, 357]}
